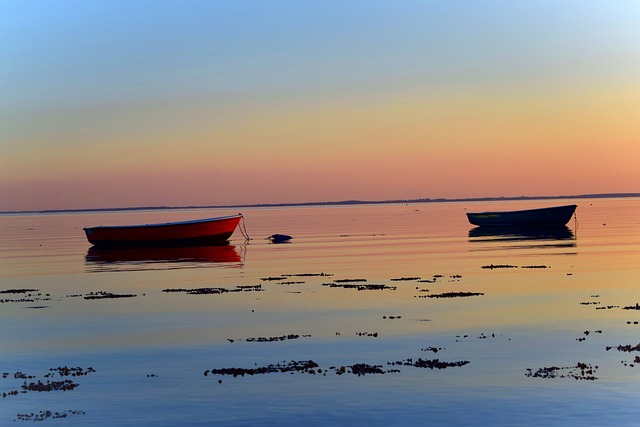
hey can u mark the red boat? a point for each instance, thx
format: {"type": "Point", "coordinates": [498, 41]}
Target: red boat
{"type": "Point", "coordinates": [208, 231]}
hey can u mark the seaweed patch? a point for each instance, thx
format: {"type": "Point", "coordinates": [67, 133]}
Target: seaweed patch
{"type": "Point", "coordinates": [209, 291]}
{"type": "Point", "coordinates": [48, 385]}
{"type": "Point", "coordinates": [28, 295]}
{"type": "Point", "coordinates": [107, 295]}
{"type": "Point", "coordinates": [312, 368]}
{"type": "Point", "coordinates": [455, 295]}
{"type": "Point", "coordinates": [625, 348]}
{"type": "Point", "coordinates": [303, 366]}
{"type": "Point", "coordinates": [309, 275]}
{"type": "Point", "coordinates": [429, 363]}
{"type": "Point", "coordinates": [582, 371]}
{"type": "Point", "coordinates": [586, 334]}
{"type": "Point", "coordinates": [494, 266]}
{"type": "Point", "coordinates": [44, 415]}
{"type": "Point", "coordinates": [361, 287]}
{"type": "Point", "coordinates": [274, 339]}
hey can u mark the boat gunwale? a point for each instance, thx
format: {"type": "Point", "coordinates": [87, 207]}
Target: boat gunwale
{"type": "Point", "coordinates": [167, 224]}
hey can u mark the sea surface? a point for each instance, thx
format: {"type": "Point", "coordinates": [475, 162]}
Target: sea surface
{"type": "Point", "coordinates": [377, 315]}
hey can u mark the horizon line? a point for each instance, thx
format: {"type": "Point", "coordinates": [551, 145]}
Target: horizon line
{"type": "Point", "coordinates": [329, 203]}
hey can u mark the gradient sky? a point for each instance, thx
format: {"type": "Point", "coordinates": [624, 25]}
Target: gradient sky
{"type": "Point", "coordinates": [122, 103]}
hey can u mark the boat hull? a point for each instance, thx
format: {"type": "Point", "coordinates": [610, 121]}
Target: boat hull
{"type": "Point", "coordinates": [208, 231]}
{"type": "Point", "coordinates": [543, 217]}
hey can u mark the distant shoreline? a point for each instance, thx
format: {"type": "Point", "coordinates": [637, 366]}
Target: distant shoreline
{"type": "Point", "coordinates": [336, 203]}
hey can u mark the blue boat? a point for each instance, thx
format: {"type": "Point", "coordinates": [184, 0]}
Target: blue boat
{"type": "Point", "coordinates": [542, 217]}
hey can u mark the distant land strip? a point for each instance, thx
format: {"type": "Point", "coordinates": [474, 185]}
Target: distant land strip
{"type": "Point", "coordinates": [336, 203]}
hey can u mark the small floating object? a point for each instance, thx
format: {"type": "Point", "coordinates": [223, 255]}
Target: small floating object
{"type": "Point", "coordinates": [279, 238]}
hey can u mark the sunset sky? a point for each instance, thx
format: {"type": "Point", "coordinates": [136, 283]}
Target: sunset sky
{"type": "Point", "coordinates": [123, 103]}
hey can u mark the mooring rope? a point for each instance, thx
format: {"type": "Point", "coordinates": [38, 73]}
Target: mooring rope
{"type": "Point", "coordinates": [243, 228]}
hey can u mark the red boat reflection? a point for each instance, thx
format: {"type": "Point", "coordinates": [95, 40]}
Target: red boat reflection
{"type": "Point", "coordinates": [180, 254]}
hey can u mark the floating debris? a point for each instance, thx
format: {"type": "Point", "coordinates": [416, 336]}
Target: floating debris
{"type": "Point", "coordinates": [349, 280]}
{"type": "Point", "coordinates": [265, 279]}
{"type": "Point", "coordinates": [392, 317]}
{"type": "Point", "coordinates": [535, 266]}
{"type": "Point", "coordinates": [582, 371]}
{"type": "Point", "coordinates": [405, 279]}
{"type": "Point", "coordinates": [632, 307]}
{"type": "Point", "coordinates": [279, 238]}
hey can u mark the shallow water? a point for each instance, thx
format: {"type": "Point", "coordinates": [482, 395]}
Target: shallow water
{"type": "Point", "coordinates": [547, 336]}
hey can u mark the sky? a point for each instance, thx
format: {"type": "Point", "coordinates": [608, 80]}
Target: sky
{"type": "Point", "coordinates": [123, 103]}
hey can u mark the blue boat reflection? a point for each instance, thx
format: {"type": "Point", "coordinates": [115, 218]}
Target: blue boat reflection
{"type": "Point", "coordinates": [523, 237]}
{"type": "Point", "coordinates": [159, 258]}
{"type": "Point", "coordinates": [522, 233]}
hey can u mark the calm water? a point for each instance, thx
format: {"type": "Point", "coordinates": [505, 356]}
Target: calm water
{"type": "Point", "coordinates": [400, 294]}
